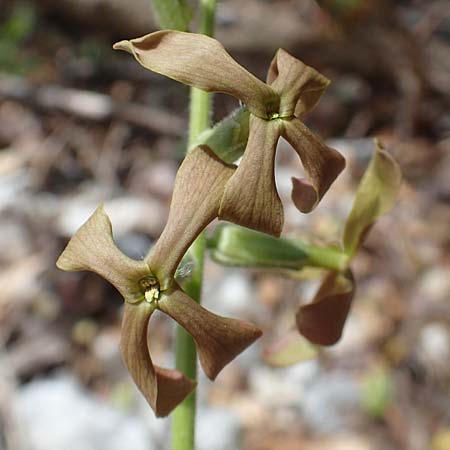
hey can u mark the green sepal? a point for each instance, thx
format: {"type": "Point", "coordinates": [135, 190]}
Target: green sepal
{"type": "Point", "coordinates": [234, 245]}
{"type": "Point", "coordinates": [238, 246]}
{"type": "Point", "coordinates": [228, 138]}
{"type": "Point", "coordinates": [376, 195]}
{"type": "Point", "coordinates": [172, 14]}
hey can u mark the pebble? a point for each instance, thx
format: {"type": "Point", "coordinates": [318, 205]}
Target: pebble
{"type": "Point", "coordinates": [434, 286]}
{"type": "Point", "coordinates": [58, 413]}
{"type": "Point", "coordinates": [434, 343]}
{"type": "Point", "coordinates": [275, 388]}
{"type": "Point", "coordinates": [217, 429]}
{"type": "Point", "coordinates": [126, 213]}
{"type": "Point", "coordinates": [331, 403]}
{"type": "Point", "coordinates": [232, 296]}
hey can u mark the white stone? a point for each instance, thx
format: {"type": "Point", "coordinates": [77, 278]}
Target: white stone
{"type": "Point", "coordinates": [217, 429]}
{"type": "Point", "coordinates": [435, 346]}
{"type": "Point", "coordinates": [331, 403]}
{"type": "Point", "coordinates": [57, 413]}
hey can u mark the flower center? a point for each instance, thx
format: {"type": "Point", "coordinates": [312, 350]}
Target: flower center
{"type": "Point", "coordinates": [277, 115]}
{"type": "Point", "coordinates": [150, 288]}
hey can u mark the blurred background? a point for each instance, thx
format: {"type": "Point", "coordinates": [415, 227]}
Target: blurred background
{"type": "Point", "coordinates": [81, 124]}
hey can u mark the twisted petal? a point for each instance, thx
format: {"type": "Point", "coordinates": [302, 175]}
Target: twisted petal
{"type": "Point", "coordinates": [92, 248]}
{"type": "Point", "coordinates": [202, 62]}
{"type": "Point", "coordinates": [375, 196]}
{"type": "Point", "coordinates": [300, 86]}
{"type": "Point", "coordinates": [163, 389]}
{"type": "Point", "coordinates": [251, 198]}
{"type": "Point", "coordinates": [323, 320]}
{"type": "Point", "coordinates": [199, 186]}
{"type": "Point", "coordinates": [322, 165]}
{"type": "Point", "coordinates": [219, 340]}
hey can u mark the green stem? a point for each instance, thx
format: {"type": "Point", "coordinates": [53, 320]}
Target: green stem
{"type": "Point", "coordinates": [183, 418]}
{"type": "Point", "coordinates": [324, 257]}
{"type": "Point", "coordinates": [199, 119]}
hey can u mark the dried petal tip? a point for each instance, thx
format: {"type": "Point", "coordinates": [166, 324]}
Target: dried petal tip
{"type": "Point", "coordinates": [323, 320]}
{"type": "Point", "coordinates": [173, 388]}
{"type": "Point", "coordinates": [303, 195]}
{"type": "Point", "coordinates": [163, 389]}
{"type": "Point", "coordinates": [322, 165]}
{"type": "Point", "coordinates": [92, 248]}
{"type": "Point", "coordinates": [123, 45]}
{"type": "Point", "coordinates": [219, 340]}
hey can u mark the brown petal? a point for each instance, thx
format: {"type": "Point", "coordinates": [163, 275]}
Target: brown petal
{"type": "Point", "coordinates": [219, 339]}
{"type": "Point", "coordinates": [202, 62]}
{"type": "Point", "coordinates": [199, 186]}
{"type": "Point", "coordinates": [251, 198]}
{"type": "Point", "coordinates": [322, 164]}
{"type": "Point", "coordinates": [92, 248]}
{"type": "Point", "coordinates": [323, 320]}
{"type": "Point", "coordinates": [300, 86]}
{"type": "Point", "coordinates": [163, 389]}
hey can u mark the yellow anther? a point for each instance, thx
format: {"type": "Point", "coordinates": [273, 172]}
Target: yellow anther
{"type": "Point", "coordinates": [150, 289]}
{"type": "Point", "coordinates": [275, 116]}
{"type": "Point", "coordinates": [152, 295]}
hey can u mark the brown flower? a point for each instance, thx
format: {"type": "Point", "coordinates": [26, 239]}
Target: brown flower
{"type": "Point", "coordinates": [149, 284]}
{"type": "Point", "coordinates": [322, 320]}
{"type": "Point", "coordinates": [293, 89]}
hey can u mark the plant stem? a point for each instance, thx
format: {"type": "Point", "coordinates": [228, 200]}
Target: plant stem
{"type": "Point", "coordinates": [200, 105]}
{"type": "Point", "coordinates": [324, 257]}
{"type": "Point", "coordinates": [183, 418]}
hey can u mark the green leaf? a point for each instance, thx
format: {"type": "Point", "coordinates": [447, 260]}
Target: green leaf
{"type": "Point", "coordinates": [375, 196]}
{"type": "Point", "coordinates": [291, 349]}
{"type": "Point", "coordinates": [377, 392]}
{"type": "Point", "coordinates": [172, 14]}
{"type": "Point", "coordinates": [238, 246]}
{"type": "Point", "coordinates": [228, 138]}
{"type": "Point", "coordinates": [20, 24]}
{"type": "Point", "coordinates": [17, 28]}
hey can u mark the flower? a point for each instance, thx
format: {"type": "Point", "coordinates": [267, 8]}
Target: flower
{"type": "Point", "coordinates": [322, 320]}
{"type": "Point", "coordinates": [149, 284]}
{"type": "Point", "coordinates": [276, 108]}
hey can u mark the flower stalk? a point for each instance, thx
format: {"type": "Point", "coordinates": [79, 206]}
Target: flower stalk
{"type": "Point", "coordinates": [183, 418]}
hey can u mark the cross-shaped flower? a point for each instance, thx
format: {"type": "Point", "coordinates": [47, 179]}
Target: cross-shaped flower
{"type": "Point", "coordinates": [276, 108]}
{"type": "Point", "coordinates": [149, 284]}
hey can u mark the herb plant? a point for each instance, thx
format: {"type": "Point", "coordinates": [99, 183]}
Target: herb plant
{"type": "Point", "coordinates": [208, 186]}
